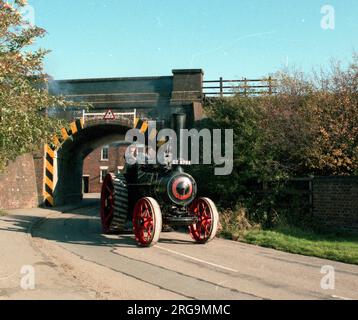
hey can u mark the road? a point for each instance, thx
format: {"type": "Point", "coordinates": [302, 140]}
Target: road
{"type": "Point", "coordinates": [74, 260]}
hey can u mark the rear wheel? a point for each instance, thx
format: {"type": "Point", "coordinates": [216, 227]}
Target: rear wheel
{"type": "Point", "coordinates": [114, 203]}
{"type": "Point", "coordinates": [147, 222]}
{"type": "Point", "coordinates": [121, 203]}
{"type": "Point", "coordinates": [206, 227]}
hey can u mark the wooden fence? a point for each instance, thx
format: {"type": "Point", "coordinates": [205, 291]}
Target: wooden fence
{"type": "Point", "coordinates": [249, 87]}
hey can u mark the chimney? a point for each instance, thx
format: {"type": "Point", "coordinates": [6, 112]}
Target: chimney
{"type": "Point", "coordinates": [179, 124]}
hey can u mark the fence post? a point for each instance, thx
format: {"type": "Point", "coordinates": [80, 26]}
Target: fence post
{"type": "Point", "coordinates": [245, 86]}
{"type": "Point", "coordinates": [311, 194]}
{"type": "Point", "coordinates": [221, 87]}
{"type": "Point", "coordinates": [270, 85]}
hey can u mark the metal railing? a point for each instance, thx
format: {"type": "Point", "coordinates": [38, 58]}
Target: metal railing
{"type": "Point", "coordinates": [222, 88]}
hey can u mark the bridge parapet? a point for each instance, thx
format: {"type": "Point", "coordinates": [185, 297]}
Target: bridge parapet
{"type": "Point", "coordinates": [153, 97]}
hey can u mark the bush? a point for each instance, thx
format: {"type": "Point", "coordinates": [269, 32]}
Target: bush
{"type": "Point", "coordinates": [2, 213]}
{"type": "Point", "coordinates": [311, 125]}
{"type": "Point", "coordinates": [234, 223]}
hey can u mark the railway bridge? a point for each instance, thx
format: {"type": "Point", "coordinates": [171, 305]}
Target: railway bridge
{"type": "Point", "coordinates": [119, 104]}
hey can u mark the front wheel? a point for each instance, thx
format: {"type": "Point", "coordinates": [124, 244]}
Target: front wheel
{"type": "Point", "coordinates": [147, 222]}
{"type": "Point", "coordinates": [206, 227]}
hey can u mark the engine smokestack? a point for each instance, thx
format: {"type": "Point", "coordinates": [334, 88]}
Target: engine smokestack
{"type": "Point", "coordinates": [179, 124]}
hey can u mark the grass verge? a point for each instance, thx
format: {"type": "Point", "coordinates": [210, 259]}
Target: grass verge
{"type": "Point", "coordinates": [308, 243]}
{"type": "Point", "coordinates": [342, 248]}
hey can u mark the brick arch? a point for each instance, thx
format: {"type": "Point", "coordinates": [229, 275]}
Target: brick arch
{"type": "Point", "coordinates": [61, 144]}
{"type": "Point", "coordinates": [50, 155]}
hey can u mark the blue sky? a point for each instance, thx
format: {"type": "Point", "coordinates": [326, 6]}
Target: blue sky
{"type": "Point", "coordinates": [229, 38]}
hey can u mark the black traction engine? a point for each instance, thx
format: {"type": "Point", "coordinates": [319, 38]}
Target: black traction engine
{"type": "Point", "coordinates": [146, 198]}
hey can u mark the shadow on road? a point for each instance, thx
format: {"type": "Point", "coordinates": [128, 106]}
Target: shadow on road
{"type": "Point", "coordinates": [78, 225]}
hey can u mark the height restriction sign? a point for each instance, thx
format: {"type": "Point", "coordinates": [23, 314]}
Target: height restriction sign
{"type": "Point", "coordinates": [109, 115]}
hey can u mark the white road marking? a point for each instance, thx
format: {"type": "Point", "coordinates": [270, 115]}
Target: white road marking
{"type": "Point", "coordinates": [220, 284]}
{"type": "Point", "coordinates": [198, 260]}
{"type": "Point", "coordinates": [342, 298]}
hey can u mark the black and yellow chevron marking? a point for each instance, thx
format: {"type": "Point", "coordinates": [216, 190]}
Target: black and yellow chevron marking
{"type": "Point", "coordinates": [75, 126]}
{"type": "Point", "coordinates": [50, 152]}
{"type": "Point", "coordinates": [49, 175]}
{"type": "Point", "coordinates": [143, 126]}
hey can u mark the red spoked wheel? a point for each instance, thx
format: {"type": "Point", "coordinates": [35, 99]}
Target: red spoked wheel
{"type": "Point", "coordinates": [107, 203]}
{"type": "Point", "coordinates": [206, 227]}
{"type": "Point", "coordinates": [147, 222]}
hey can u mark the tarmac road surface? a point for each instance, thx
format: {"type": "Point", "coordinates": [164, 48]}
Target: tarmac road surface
{"type": "Point", "coordinates": [74, 260]}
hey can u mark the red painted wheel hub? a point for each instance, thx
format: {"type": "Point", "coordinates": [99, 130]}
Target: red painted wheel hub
{"type": "Point", "coordinates": [143, 222]}
{"type": "Point", "coordinates": [107, 203]}
{"type": "Point", "coordinates": [202, 229]}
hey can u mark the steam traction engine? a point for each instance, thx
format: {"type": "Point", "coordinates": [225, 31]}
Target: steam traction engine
{"type": "Point", "coordinates": [150, 196]}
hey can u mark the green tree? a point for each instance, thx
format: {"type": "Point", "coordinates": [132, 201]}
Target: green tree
{"type": "Point", "coordinates": [24, 99]}
{"type": "Point", "coordinates": [252, 167]}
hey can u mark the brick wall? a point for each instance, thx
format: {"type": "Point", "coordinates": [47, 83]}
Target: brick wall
{"type": "Point", "coordinates": [335, 202]}
{"type": "Point", "coordinates": [18, 188]}
{"type": "Point", "coordinates": [93, 163]}
{"type": "Point", "coordinates": [39, 173]}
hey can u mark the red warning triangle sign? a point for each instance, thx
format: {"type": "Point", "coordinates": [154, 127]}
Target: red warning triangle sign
{"type": "Point", "coordinates": [109, 115]}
